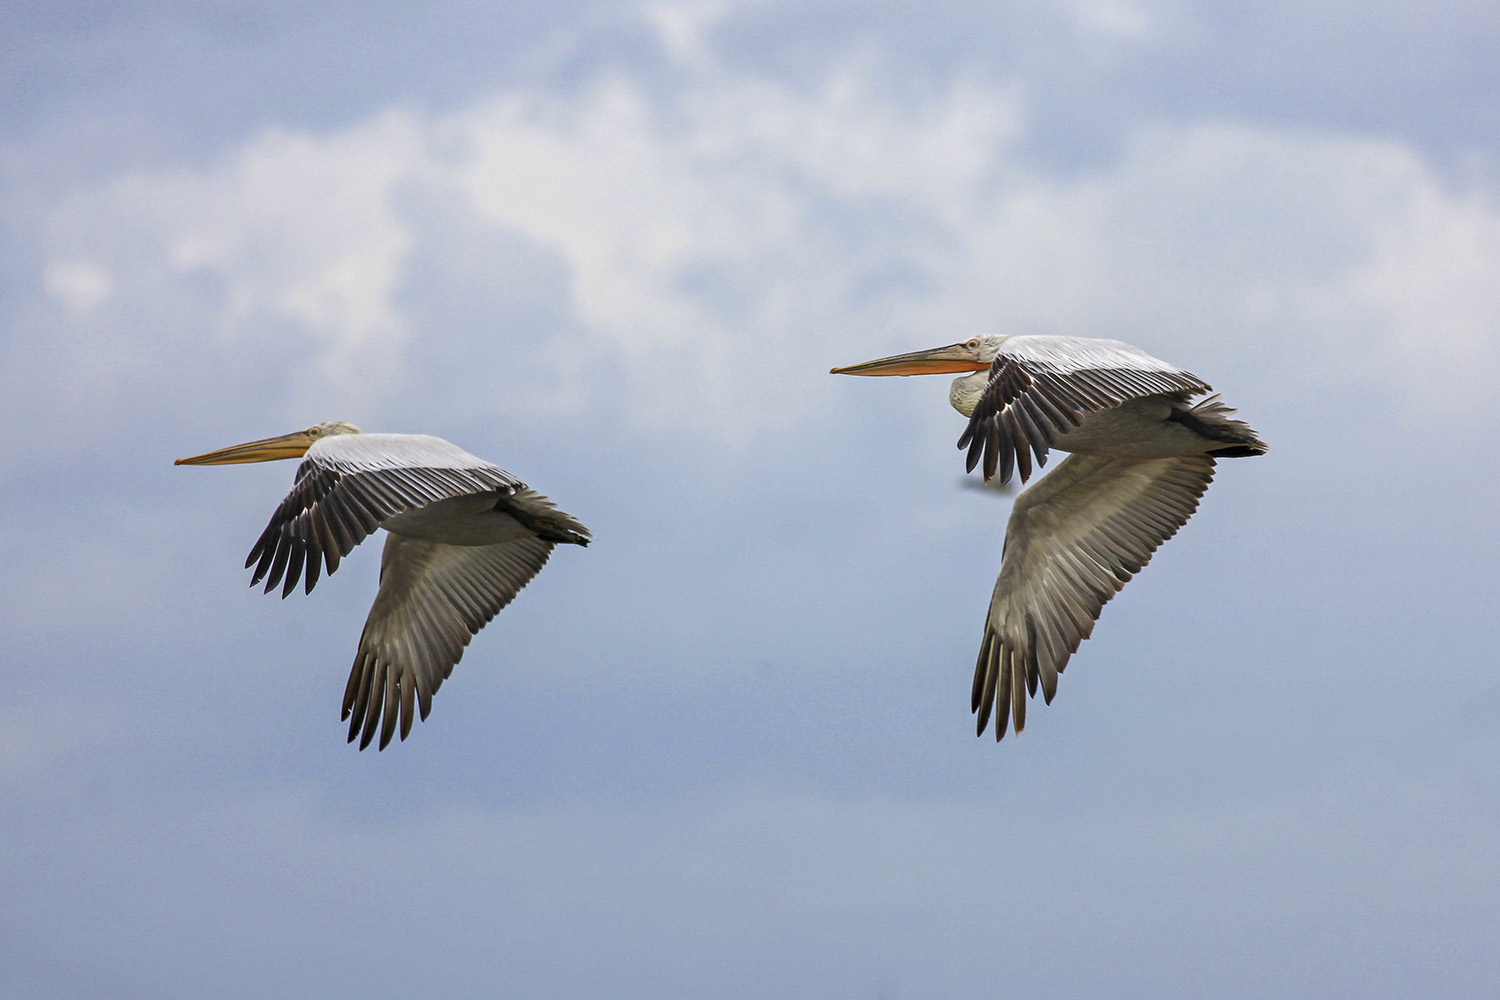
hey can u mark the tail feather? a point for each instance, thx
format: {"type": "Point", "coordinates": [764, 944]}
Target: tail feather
{"type": "Point", "coordinates": [541, 515]}
{"type": "Point", "coordinates": [1238, 451]}
{"type": "Point", "coordinates": [1211, 418]}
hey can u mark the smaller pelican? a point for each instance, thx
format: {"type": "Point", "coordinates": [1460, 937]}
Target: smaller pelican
{"type": "Point", "coordinates": [463, 537]}
{"type": "Point", "coordinates": [1142, 456]}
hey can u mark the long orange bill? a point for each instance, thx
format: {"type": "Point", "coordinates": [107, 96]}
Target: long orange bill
{"type": "Point", "coordinates": [937, 361]}
{"type": "Point", "coordinates": [292, 445]}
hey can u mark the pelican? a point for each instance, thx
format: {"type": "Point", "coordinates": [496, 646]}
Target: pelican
{"type": "Point", "coordinates": [462, 538]}
{"type": "Point", "coordinates": [1142, 454]}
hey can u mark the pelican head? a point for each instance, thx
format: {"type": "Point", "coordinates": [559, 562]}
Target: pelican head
{"type": "Point", "coordinates": [293, 445]}
{"type": "Point", "coordinates": [973, 356]}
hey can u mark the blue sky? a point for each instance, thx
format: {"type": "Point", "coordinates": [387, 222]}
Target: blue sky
{"type": "Point", "coordinates": [726, 750]}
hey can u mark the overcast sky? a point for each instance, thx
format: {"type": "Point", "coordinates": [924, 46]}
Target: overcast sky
{"type": "Point", "coordinates": [726, 750]}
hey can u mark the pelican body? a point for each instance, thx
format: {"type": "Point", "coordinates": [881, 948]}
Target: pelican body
{"type": "Point", "coordinates": [1142, 455]}
{"type": "Point", "coordinates": [463, 537]}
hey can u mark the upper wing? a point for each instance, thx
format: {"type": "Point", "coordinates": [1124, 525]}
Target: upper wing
{"type": "Point", "coordinates": [1073, 541]}
{"type": "Point", "coordinates": [433, 598]}
{"type": "Point", "coordinates": [1040, 386]}
{"type": "Point", "coordinates": [348, 484]}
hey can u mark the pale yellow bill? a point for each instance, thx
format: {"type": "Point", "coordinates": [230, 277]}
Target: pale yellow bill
{"type": "Point", "coordinates": [292, 445]}
{"type": "Point", "coordinates": [937, 361]}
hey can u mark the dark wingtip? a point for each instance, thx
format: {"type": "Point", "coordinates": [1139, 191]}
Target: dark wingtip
{"type": "Point", "coordinates": [361, 728]}
{"type": "Point", "coordinates": [1239, 451]}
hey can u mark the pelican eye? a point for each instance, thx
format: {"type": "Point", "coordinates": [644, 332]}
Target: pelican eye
{"type": "Point", "coordinates": [973, 344]}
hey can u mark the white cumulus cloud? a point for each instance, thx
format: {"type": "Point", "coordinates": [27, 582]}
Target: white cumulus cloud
{"type": "Point", "coordinates": [725, 244]}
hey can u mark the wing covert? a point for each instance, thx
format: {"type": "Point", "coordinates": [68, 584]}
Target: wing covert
{"type": "Point", "coordinates": [347, 485]}
{"type": "Point", "coordinates": [1040, 387]}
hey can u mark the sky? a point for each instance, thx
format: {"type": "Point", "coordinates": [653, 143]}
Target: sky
{"type": "Point", "coordinates": [726, 749]}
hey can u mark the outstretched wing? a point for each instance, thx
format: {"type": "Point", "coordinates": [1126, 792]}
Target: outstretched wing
{"type": "Point", "coordinates": [433, 598]}
{"type": "Point", "coordinates": [1041, 386]}
{"type": "Point", "coordinates": [1074, 540]}
{"type": "Point", "coordinates": [348, 484]}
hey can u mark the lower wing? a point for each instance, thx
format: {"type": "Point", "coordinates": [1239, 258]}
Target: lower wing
{"type": "Point", "coordinates": [1074, 540]}
{"type": "Point", "coordinates": [433, 598]}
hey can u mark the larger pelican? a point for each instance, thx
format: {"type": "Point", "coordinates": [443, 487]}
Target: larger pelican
{"type": "Point", "coordinates": [1143, 455]}
{"type": "Point", "coordinates": [463, 537]}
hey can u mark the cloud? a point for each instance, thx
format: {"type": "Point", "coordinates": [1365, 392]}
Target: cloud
{"type": "Point", "coordinates": [715, 243]}
{"type": "Point", "coordinates": [719, 246]}
{"type": "Point", "coordinates": [80, 285]}
{"type": "Point", "coordinates": [681, 28]}
{"type": "Point", "coordinates": [296, 231]}
{"type": "Point", "coordinates": [1113, 18]}
{"type": "Point", "coordinates": [1430, 282]}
